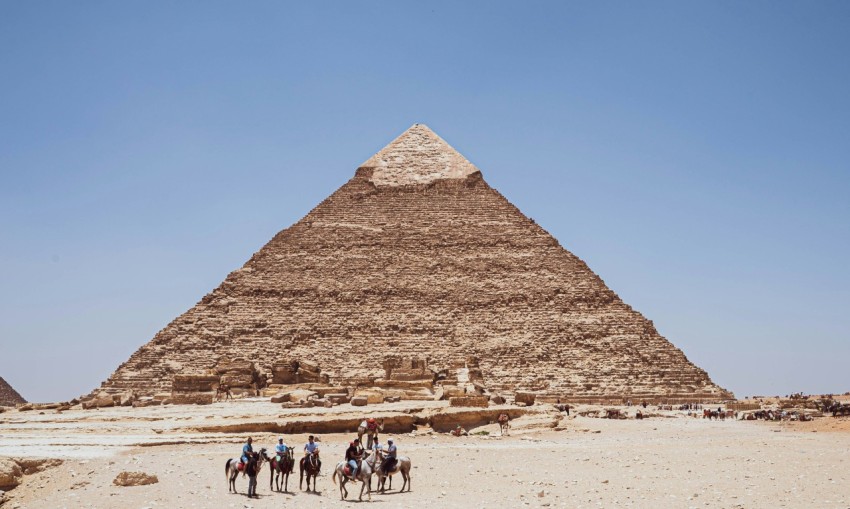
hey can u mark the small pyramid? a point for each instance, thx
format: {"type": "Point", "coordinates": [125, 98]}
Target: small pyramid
{"type": "Point", "coordinates": [417, 156]}
{"type": "Point", "coordinates": [418, 258]}
{"type": "Point", "coordinates": [8, 395]}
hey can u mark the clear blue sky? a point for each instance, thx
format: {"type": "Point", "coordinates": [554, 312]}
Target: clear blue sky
{"type": "Point", "coordinates": [695, 154]}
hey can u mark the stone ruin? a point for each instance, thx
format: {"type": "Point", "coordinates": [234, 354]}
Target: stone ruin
{"type": "Point", "coordinates": [8, 395]}
{"type": "Point", "coordinates": [417, 258]}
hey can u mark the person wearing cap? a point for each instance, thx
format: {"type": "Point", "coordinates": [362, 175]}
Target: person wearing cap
{"type": "Point", "coordinates": [353, 455]}
{"type": "Point", "coordinates": [280, 449]}
{"type": "Point", "coordinates": [390, 456]}
{"type": "Point", "coordinates": [312, 449]}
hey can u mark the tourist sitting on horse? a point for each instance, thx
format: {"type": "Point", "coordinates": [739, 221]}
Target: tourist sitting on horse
{"type": "Point", "coordinates": [353, 456]}
{"type": "Point", "coordinates": [280, 450]}
{"type": "Point", "coordinates": [247, 452]}
{"type": "Point", "coordinates": [312, 449]}
{"type": "Point", "coordinates": [390, 456]}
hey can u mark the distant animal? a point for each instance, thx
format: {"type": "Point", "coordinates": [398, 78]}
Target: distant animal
{"type": "Point", "coordinates": [309, 467]}
{"type": "Point", "coordinates": [402, 466]}
{"type": "Point", "coordinates": [364, 475]}
{"type": "Point", "coordinates": [504, 423]}
{"type": "Point", "coordinates": [223, 392]}
{"type": "Point", "coordinates": [279, 471]}
{"type": "Point", "coordinates": [370, 427]}
{"type": "Point", "coordinates": [251, 469]}
{"type": "Point", "coordinates": [612, 414]}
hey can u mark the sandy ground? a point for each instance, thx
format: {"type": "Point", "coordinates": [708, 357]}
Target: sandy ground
{"type": "Point", "coordinates": [583, 463]}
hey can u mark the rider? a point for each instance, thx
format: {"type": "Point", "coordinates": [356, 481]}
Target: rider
{"type": "Point", "coordinates": [390, 456]}
{"type": "Point", "coordinates": [377, 449]}
{"type": "Point", "coordinates": [280, 449]}
{"type": "Point", "coordinates": [312, 449]}
{"type": "Point", "coordinates": [353, 455]}
{"type": "Point", "coordinates": [372, 429]}
{"type": "Point", "coordinates": [247, 451]}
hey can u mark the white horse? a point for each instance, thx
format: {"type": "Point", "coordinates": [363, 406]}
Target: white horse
{"type": "Point", "coordinates": [402, 466]}
{"type": "Point", "coordinates": [363, 429]}
{"type": "Point", "coordinates": [231, 471]}
{"type": "Point", "coordinates": [364, 475]}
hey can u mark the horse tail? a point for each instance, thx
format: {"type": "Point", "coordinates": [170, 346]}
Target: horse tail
{"type": "Point", "coordinates": [227, 468]}
{"type": "Point", "coordinates": [333, 477]}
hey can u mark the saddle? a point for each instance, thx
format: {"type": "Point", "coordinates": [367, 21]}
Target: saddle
{"type": "Point", "coordinates": [240, 466]}
{"type": "Point", "coordinates": [389, 463]}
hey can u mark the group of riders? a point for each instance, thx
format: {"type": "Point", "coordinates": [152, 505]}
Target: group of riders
{"type": "Point", "coordinates": [353, 455]}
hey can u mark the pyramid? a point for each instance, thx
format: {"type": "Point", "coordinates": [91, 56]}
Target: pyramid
{"type": "Point", "coordinates": [418, 257]}
{"type": "Point", "coordinates": [8, 395]}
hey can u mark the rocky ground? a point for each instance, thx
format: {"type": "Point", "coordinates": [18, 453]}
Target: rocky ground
{"type": "Point", "coordinates": [669, 460]}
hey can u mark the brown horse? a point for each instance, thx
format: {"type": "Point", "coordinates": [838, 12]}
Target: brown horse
{"type": "Point", "coordinates": [309, 465]}
{"type": "Point", "coordinates": [279, 472]}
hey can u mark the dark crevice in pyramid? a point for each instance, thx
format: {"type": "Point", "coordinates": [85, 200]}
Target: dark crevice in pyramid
{"type": "Point", "coordinates": [8, 395]}
{"type": "Point", "coordinates": [417, 256]}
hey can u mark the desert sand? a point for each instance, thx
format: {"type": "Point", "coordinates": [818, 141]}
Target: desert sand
{"type": "Point", "coordinates": [549, 460]}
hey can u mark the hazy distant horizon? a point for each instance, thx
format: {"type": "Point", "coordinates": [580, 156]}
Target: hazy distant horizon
{"type": "Point", "coordinates": [696, 156]}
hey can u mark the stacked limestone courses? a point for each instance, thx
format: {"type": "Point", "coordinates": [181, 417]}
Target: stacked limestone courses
{"type": "Point", "coordinates": [9, 396]}
{"type": "Point", "coordinates": [418, 256]}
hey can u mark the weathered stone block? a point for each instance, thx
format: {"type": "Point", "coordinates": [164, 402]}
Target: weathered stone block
{"type": "Point", "coordinates": [476, 401]}
{"type": "Point", "coordinates": [525, 398]}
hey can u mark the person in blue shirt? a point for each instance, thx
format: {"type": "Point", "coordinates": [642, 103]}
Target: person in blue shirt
{"type": "Point", "coordinates": [280, 449]}
{"type": "Point", "coordinates": [390, 456]}
{"type": "Point", "coordinates": [312, 449]}
{"type": "Point", "coordinates": [247, 451]}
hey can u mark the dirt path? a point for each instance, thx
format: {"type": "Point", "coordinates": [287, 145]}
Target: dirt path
{"type": "Point", "coordinates": [592, 463]}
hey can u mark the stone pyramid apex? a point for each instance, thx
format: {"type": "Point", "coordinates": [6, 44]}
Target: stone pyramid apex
{"type": "Point", "coordinates": [417, 156]}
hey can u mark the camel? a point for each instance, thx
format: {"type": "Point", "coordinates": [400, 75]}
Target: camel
{"type": "Point", "coordinates": [231, 470]}
{"type": "Point", "coordinates": [402, 466]}
{"type": "Point", "coordinates": [371, 432]}
{"type": "Point", "coordinates": [364, 475]}
{"type": "Point", "coordinates": [504, 423]}
{"type": "Point", "coordinates": [279, 472]}
{"type": "Point", "coordinates": [223, 392]}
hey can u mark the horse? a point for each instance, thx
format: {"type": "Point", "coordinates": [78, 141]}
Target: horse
{"type": "Point", "coordinates": [364, 475]}
{"type": "Point", "coordinates": [372, 434]}
{"type": "Point", "coordinates": [279, 472]}
{"type": "Point", "coordinates": [402, 466]}
{"type": "Point", "coordinates": [504, 423]}
{"type": "Point", "coordinates": [252, 468]}
{"type": "Point", "coordinates": [309, 465]}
